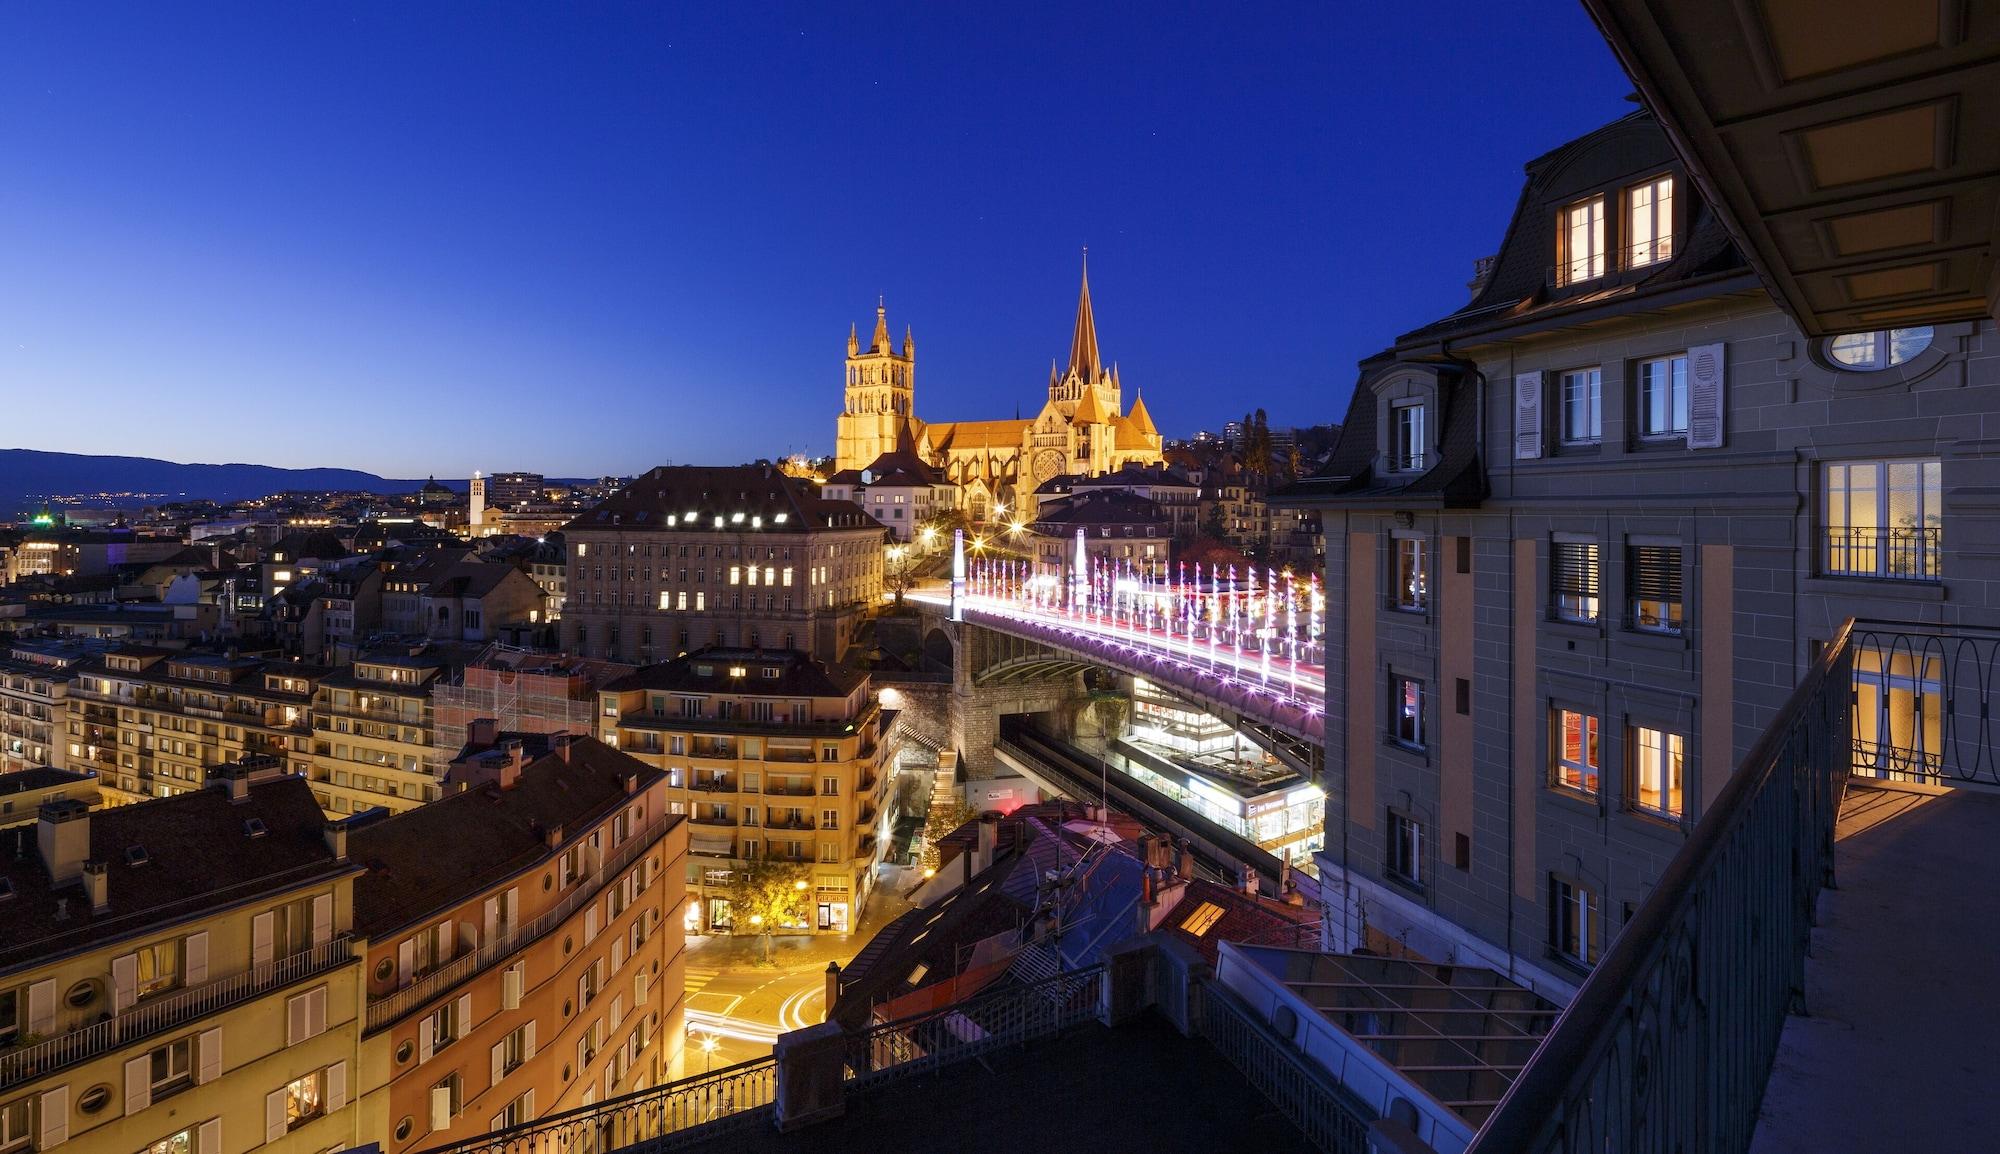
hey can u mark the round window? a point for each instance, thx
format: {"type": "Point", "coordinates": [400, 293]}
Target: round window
{"type": "Point", "coordinates": [1882, 349]}
{"type": "Point", "coordinates": [94, 1099]}
{"type": "Point", "coordinates": [566, 946]}
{"type": "Point", "coordinates": [385, 969]}
{"type": "Point", "coordinates": [548, 882]}
{"type": "Point", "coordinates": [81, 994]}
{"type": "Point", "coordinates": [404, 1127]}
{"type": "Point", "coordinates": [404, 1051]}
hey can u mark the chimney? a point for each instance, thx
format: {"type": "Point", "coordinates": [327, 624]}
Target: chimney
{"type": "Point", "coordinates": [832, 986]}
{"type": "Point", "coordinates": [97, 886]}
{"type": "Point", "coordinates": [1246, 879]}
{"type": "Point", "coordinates": [1183, 859]}
{"type": "Point", "coordinates": [482, 731]}
{"type": "Point", "coordinates": [63, 835]}
{"type": "Point", "coordinates": [509, 769]}
{"type": "Point", "coordinates": [563, 742]}
{"type": "Point", "coordinates": [989, 840]}
{"type": "Point", "coordinates": [336, 839]}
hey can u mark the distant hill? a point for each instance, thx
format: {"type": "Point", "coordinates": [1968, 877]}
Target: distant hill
{"type": "Point", "coordinates": [30, 474]}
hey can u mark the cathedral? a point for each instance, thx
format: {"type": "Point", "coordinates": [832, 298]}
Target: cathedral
{"type": "Point", "coordinates": [1082, 430]}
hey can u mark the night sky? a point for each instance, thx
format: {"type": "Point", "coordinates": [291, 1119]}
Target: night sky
{"type": "Point", "coordinates": [587, 239]}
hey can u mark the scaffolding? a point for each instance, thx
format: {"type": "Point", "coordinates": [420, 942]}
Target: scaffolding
{"type": "Point", "coordinates": [523, 690]}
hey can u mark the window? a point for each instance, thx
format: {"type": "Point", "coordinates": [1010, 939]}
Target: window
{"type": "Point", "coordinates": [1575, 927]}
{"type": "Point", "coordinates": [179, 1142]}
{"type": "Point", "coordinates": [516, 1112]}
{"type": "Point", "coordinates": [1406, 848]}
{"type": "Point", "coordinates": [1898, 712]}
{"type": "Point", "coordinates": [1649, 222]}
{"type": "Point", "coordinates": [171, 1067]}
{"type": "Point", "coordinates": [11, 1006]}
{"type": "Point", "coordinates": [829, 852]}
{"type": "Point", "coordinates": [446, 1101]}
{"type": "Point", "coordinates": [159, 968]}
{"type": "Point", "coordinates": [1580, 242]}
{"type": "Point", "coordinates": [1656, 772]}
{"type": "Point", "coordinates": [829, 819]}
{"type": "Point", "coordinates": [1576, 758]}
{"type": "Point", "coordinates": [1573, 575]}
{"type": "Point", "coordinates": [1869, 352]}
{"type": "Point", "coordinates": [1884, 519]}
{"type": "Point", "coordinates": [1406, 715]}
{"type": "Point", "coordinates": [1406, 450]}
{"type": "Point", "coordinates": [1653, 574]}
{"type": "Point", "coordinates": [829, 786]}
{"type": "Point", "coordinates": [1663, 397]}
{"type": "Point", "coordinates": [514, 1050]}
{"type": "Point", "coordinates": [305, 1099]}
{"type": "Point", "coordinates": [1583, 407]}
{"type": "Point", "coordinates": [443, 1025]}
{"type": "Point", "coordinates": [14, 1125]}
{"type": "Point", "coordinates": [1412, 589]}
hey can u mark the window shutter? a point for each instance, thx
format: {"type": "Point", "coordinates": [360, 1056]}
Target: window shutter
{"type": "Point", "coordinates": [55, 1118]}
{"type": "Point", "coordinates": [295, 1020]}
{"type": "Point", "coordinates": [322, 919]}
{"type": "Point", "coordinates": [511, 909]}
{"type": "Point", "coordinates": [445, 941]}
{"type": "Point", "coordinates": [582, 990]}
{"type": "Point", "coordinates": [463, 1016]}
{"type": "Point", "coordinates": [426, 1039]}
{"type": "Point", "coordinates": [590, 924]}
{"type": "Point", "coordinates": [528, 1105]}
{"type": "Point", "coordinates": [138, 1087]}
{"type": "Point", "coordinates": [617, 1010]}
{"type": "Point", "coordinates": [1707, 396]}
{"type": "Point", "coordinates": [1527, 416]}
{"type": "Point", "coordinates": [492, 919]}
{"type": "Point", "coordinates": [260, 938]}
{"type": "Point", "coordinates": [195, 955]}
{"type": "Point", "coordinates": [1656, 573]}
{"type": "Point", "coordinates": [510, 988]}
{"type": "Point", "coordinates": [499, 1057]}
{"type": "Point", "coordinates": [42, 1007]}
{"type": "Point", "coordinates": [274, 1116]}
{"type": "Point", "coordinates": [406, 962]}
{"type": "Point", "coordinates": [1573, 567]}
{"type": "Point", "coordinates": [639, 988]}
{"type": "Point", "coordinates": [336, 1087]}
{"type": "Point", "coordinates": [617, 954]}
{"type": "Point", "coordinates": [211, 1055]}
{"type": "Point", "coordinates": [316, 1012]}
{"type": "Point", "coordinates": [440, 1107]}
{"type": "Point", "coordinates": [124, 982]}
{"type": "Point", "coordinates": [208, 1137]}
{"type": "Point", "coordinates": [528, 1040]}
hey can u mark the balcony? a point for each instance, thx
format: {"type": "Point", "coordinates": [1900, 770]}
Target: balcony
{"type": "Point", "coordinates": [798, 823]}
{"type": "Point", "coordinates": [714, 785]}
{"type": "Point", "coordinates": [167, 1011]}
{"type": "Point", "coordinates": [793, 756]}
{"type": "Point", "coordinates": [717, 819]}
{"type": "Point", "coordinates": [788, 788]}
{"type": "Point", "coordinates": [1882, 553]}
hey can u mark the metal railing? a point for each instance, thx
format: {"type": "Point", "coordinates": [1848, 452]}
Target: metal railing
{"type": "Point", "coordinates": [662, 1118]}
{"type": "Point", "coordinates": [390, 1007]}
{"type": "Point", "coordinates": [1668, 1044]}
{"type": "Point", "coordinates": [1893, 554]}
{"type": "Point", "coordinates": [965, 1030]}
{"type": "Point", "coordinates": [1301, 1089]}
{"type": "Point", "coordinates": [1923, 709]}
{"type": "Point", "coordinates": [166, 1011]}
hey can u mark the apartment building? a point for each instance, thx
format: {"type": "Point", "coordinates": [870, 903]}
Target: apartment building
{"type": "Point", "coordinates": [34, 703]}
{"type": "Point", "coordinates": [152, 722]}
{"type": "Point", "coordinates": [372, 731]}
{"type": "Point", "coordinates": [1119, 529]}
{"type": "Point", "coordinates": [535, 968]}
{"type": "Point", "coordinates": [177, 977]}
{"type": "Point", "coordinates": [1584, 535]}
{"type": "Point", "coordinates": [686, 557]}
{"type": "Point", "coordinates": [772, 755]}
{"type": "Point", "coordinates": [23, 791]}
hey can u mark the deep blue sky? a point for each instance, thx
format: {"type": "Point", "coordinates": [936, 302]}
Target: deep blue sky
{"type": "Point", "coordinates": [588, 239]}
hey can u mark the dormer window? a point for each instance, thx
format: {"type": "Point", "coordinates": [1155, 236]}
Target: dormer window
{"type": "Point", "coordinates": [1580, 242]}
{"type": "Point", "coordinates": [1649, 211]}
{"type": "Point", "coordinates": [1406, 447]}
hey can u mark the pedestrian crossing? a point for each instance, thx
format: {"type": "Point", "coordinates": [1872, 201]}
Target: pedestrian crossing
{"type": "Point", "coordinates": [697, 978]}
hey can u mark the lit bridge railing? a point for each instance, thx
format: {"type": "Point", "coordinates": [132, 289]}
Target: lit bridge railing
{"type": "Point", "coordinates": [663, 1118]}
{"type": "Point", "coordinates": [1669, 1042]}
{"type": "Point", "coordinates": [965, 1030]}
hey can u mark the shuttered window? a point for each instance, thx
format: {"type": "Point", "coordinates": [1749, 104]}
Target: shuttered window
{"type": "Point", "coordinates": [1655, 579]}
{"type": "Point", "coordinates": [1573, 574]}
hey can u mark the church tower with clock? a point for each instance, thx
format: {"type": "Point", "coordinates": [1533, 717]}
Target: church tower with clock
{"type": "Point", "coordinates": [881, 391]}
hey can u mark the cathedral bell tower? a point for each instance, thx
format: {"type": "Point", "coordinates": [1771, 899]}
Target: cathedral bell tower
{"type": "Point", "coordinates": [880, 396]}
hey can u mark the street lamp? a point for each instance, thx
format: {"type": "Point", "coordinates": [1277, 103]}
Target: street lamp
{"type": "Point", "coordinates": [708, 1048]}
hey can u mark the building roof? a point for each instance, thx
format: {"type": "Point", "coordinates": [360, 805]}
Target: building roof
{"type": "Point", "coordinates": [41, 777]}
{"type": "Point", "coordinates": [798, 674]}
{"type": "Point", "coordinates": [199, 854]}
{"type": "Point", "coordinates": [731, 498]}
{"type": "Point", "coordinates": [1083, 358]}
{"type": "Point", "coordinates": [1102, 507]}
{"type": "Point", "coordinates": [494, 834]}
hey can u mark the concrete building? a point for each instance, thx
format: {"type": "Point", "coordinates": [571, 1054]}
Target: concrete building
{"type": "Point", "coordinates": [1584, 535]}
{"type": "Point", "coordinates": [23, 791]}
{"type": "Point", "coordinates": [154, 723]}
{"type": "Point", "coordinates": [537, 967]}
{"type": "Point", "coordinates": [34, 703]}
{"type": "Point", "coordinates": [372, 731]}
{"type": "Point", "coordinates": [686, 557]}
{"type": "Point", "coordinates": [178, 977]}
{"type": "Point", "coordinates": [506, 491]}
{"type": "Point", "coordinates": [896, 489]}
{"type": "Point", "coordinates": [773, 756]}
{"type": "Point", "coordinates": [1117, 526]}
{"type": "Point", "coordinates": [522, 692]}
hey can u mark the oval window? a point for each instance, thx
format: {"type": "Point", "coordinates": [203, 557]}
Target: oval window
{"type": "Point", "coordinates": [81, 994]}
{"type": "Point", "coordinates": [94, 1099]}
{"type": "Point", "coordinates": [404, 1051]}
{"type": "Point", "coordinates": [385, 969]}
{"type": "Point", "coordinates": [404, 1127]}
{"type": "Point", "coordinates": [1882, 349]}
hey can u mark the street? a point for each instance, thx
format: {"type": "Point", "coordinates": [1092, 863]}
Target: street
{"type": "Point", "coordinates": [740, 1003]}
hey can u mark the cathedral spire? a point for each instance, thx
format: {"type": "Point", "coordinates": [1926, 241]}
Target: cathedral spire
{"type": "Point", "coordinates": [880, 341]}
{"type": "Point", "coordinates": [853, 340]}
{"type": "Point", "coordinates": [1083, 345]}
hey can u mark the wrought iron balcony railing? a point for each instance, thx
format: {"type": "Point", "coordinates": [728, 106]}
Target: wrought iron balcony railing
{"type": "Point", "coordinates": [1891, 554]}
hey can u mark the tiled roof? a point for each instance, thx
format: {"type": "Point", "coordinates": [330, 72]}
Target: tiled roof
{"type": "Point", "coordinates": [798, 674]}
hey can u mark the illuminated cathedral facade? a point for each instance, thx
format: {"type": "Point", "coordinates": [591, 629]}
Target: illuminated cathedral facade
{"type": "Point", "coordinates": [1082, 430]}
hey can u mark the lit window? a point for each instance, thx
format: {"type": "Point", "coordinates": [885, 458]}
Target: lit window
{"type": "Point", "coordinates": [1868, 352]}
{"type": "Point", "coordinates": [1663, 397]}
{"type": "Point", "coordinates": [1406, 848]}
{"type": "Point", "coordinates": [1583, 407]}
{"type": "Point", "coordinates": [1573, 576]}
{"type": "Point", "coordinates": [179, 1142]}
{"type": "Point", "coordinates": [1898, 713]}
{"type": "Point", "coordinates": [1649, 222]}
{"type": "Point", "coordinates": [1412, 590]}
{"type": "Point", "coordinates": [1654, 577]}
{"type": "Point", "coordinates": [1202, 919]}
{"type": "Point", "coordinates": [1656, 772]}
{"type": "Point", "coordinates": [1884, 519]}
{"type": "Point", "coordinates": [1581, 242]}
{"type": "Point", "coordinates": [1576, 930]}
{"type": "Point", "coordinates": [1406, 719]}
{"type": "Point", "coordinates": [305, 1099]}
{"type": "Point", "coordinates": [1576, 758]}
{"type": "Point", "coordinates": [1407, 450]}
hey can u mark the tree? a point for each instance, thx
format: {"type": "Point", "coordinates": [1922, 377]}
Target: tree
{"type": "Point", "coordinates": [763, 895]}
{"type": "Point", "coordinates": [898, 570]}
{"type": "Point", "coordinates": [943, 819]}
